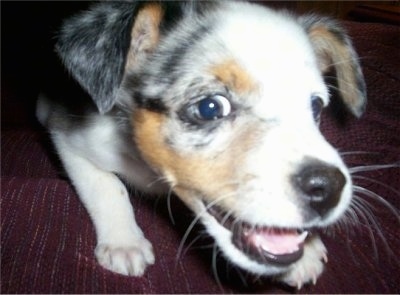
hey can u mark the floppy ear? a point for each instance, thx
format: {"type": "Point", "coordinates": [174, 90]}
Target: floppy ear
{"type": "Point", "coordinates": [98, 45]}
{"type": "Point", "coordinates": [335, 50]}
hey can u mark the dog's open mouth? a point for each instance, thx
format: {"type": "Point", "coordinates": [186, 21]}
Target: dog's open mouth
{"type": "Point", "coordinates": [261, 243]}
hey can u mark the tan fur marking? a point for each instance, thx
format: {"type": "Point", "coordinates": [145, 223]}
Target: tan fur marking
{"type": "Point", "coordinates": [145, 32]}
{"type": "Point", "coordinates": [234, 76]}
{"type": "Point", "coordinates": [191, 174]}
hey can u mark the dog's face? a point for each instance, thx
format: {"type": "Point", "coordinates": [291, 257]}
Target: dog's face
{"type": "Point", "coordinates": [226, 106]}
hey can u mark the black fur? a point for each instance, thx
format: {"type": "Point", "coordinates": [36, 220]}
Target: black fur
{"type": "Point", "coordinates": [93, 46]}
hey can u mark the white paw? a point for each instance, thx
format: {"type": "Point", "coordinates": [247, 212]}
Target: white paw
{"type": "Point", "coordinates": [130, 260]}
{"type": "Point", "coordinates": [309, 267]}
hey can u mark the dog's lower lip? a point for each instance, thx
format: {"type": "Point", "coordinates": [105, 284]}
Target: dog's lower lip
{"type": "Point", "coordinates": [263, 244]}
{"type": "Point", "coordinates": [270, 245]}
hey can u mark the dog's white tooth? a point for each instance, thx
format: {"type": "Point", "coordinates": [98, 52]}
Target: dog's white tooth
{"type": "Point", "coordinates": [303, 236]}
{"type": "Point", "coordinates": [314, 279]}
{"type": "Point", "coordinates": [325, 257]}
{"type": "Point", "coordinates": [299, 284]}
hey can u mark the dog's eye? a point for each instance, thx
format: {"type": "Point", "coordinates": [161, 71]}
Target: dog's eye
{"type": "Point", "coordinates": [209, 108]}
{"type": "Point", "coordinates": [316, 106]}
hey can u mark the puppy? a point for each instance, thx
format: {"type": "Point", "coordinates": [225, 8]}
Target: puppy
{"type": "Point", "coordinates": [219, 102]}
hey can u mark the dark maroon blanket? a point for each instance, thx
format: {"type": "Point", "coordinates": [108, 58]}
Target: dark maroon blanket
{"type": "Point", "coordinates": [47, 239]}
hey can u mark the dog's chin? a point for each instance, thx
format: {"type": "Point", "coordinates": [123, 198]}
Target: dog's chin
{"type": "Point", "coordinates": [262, 250]}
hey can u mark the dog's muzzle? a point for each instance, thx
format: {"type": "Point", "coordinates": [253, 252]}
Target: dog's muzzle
{"type": "Point", "coordinates": [318, 186]}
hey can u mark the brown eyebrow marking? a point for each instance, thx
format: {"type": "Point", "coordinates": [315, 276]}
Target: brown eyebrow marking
{"type": "Point", "coordinates": [234, 76]}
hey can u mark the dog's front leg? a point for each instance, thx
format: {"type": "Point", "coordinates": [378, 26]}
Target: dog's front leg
{"type": "Point", "coordinates": [121, 245]}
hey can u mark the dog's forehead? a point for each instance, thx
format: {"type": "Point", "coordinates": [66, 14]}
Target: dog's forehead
{"type": "Point", "coordinates": [255, 52]}
{"type": "Point", "coordinates": [258, 34]}
{"type": "Point", "coordinates": [270, 47]}
{"type": "Point", "coordinates": [257, 47]}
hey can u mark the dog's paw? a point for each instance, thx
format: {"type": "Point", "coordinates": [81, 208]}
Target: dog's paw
{"type": "Point", "coordinates": [309, 267]}
{"type": "Point", "coordinates": [130, 260]}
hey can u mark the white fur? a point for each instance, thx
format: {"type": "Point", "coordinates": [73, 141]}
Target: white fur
{"type": "Point", "coordinates": [91, 156]}
{"type": "Point", "coordinates": [121, 246]}
{"type": "Point", "coordinates": [310, 267]}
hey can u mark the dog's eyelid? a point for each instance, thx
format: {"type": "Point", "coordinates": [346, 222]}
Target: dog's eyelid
{"type": "Point", "coordinates": [317, 104]}
{"type": "Point", "coordinates": [204, 95]}
{"type": "Point", "coordinates": [324, 99]}
{"type": "Point", "coordinates": [205, 109]}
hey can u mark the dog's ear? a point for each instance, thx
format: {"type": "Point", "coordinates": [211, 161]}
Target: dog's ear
{"type": "Point", "coordinates": [335, 50]}
{"type": "Point", "coordinates": [98, 45]}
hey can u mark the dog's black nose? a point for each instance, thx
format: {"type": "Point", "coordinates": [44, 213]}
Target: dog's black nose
{"type": "Point", "coordinates": [321, 186]}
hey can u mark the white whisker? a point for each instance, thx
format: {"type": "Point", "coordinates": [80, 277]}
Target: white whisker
{"type": "Point", "coordinates": [171, 216]}
{"type": "Point", "coordinates": [388, 187]}
{"type": "Point", "coordinates": [350, 85]}
{"type": "Point", "coordinates": [161, 179]}
{"type": "Point", "coordinates": [198, 237]}
{"type": "Point", "coordinates": [357, 169]}
{"type": "Point", "coordinates": [195, 220]}
{"type": "Point", "coordinates": [375, 196]}
{"type": "Point", "coordinates": [351, 153]}
{"type": "Point", "coordinates": [360, 214]}
{"type": "Point", "coordinates": [346, 61]}
{"type": "Point", "coordinates": [186, 235]}
{"type": "Point", "coordinates": [367, 217]}
{"type": "Point", "coordinates": [214, 266]}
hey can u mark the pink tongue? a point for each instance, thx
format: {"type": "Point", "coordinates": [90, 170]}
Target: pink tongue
{"type": "Point", "coordinates": [276, 241]}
